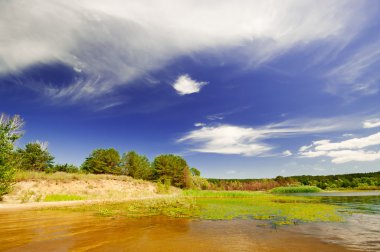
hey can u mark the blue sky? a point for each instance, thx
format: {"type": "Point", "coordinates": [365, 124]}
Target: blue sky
{"type": "Point", "coordinates": [240, 89]}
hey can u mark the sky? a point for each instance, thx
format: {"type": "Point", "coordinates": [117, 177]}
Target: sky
{"type": "Point", "coordinates": [240, 89]}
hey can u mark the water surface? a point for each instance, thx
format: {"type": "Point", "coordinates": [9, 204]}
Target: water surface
{"type": "Point", "coordinates": [76, 231]}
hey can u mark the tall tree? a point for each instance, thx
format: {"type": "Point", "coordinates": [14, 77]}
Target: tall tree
{"type": "Point", "coordinates": [10, 131]}
{"type": "Point", "coordinates": [170, 167]}
{"type": "Point", "coordinates": [103, 161]}
{"type": "Point", "coordinates": [195, 172]}
{"type": "Point", "coordinates": [35, 157]}
{"type": "Point", "coordinates": [137, 166]}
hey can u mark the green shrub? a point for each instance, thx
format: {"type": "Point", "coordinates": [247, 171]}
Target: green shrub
{"type": "Point", "coordinates": [296, 189]}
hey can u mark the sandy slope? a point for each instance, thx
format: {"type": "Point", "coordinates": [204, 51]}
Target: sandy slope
{"type": "Point", "coordinates": [31, 191]}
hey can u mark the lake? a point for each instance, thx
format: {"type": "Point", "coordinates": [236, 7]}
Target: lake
{"type": "Point", "coordinates": [78, 231]}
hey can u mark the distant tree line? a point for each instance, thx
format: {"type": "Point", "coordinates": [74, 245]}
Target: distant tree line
{"type": "Point", "coordinates": [346, 181]}
{"type": "Point", "coordinates": [355, 180]}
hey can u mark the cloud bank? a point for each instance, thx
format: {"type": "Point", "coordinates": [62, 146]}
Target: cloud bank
{"type": "Point", "coordinates": [111, 44]}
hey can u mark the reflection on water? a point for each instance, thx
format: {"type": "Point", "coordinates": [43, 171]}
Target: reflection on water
{"type": "Point", "coordinates": [56, 231]}
{"type": "Point", "coordinates": [63, 231]}
{"type": "Point", "coordinates": [361, 230]}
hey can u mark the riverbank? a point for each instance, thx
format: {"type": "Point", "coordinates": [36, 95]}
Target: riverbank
{"type": "Point", "coordinates": [39, 189]}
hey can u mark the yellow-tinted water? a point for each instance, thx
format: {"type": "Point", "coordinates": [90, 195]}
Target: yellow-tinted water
{"type": "Point", "coordinates": [66, 231]}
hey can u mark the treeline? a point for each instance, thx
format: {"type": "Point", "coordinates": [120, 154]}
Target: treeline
{"type": "Point", "coordinates": [345, 181]}
{"type": "Point", "coordinates": [166, 169]}
{"type": "Point", "coordinates": [249, 184]}
{"type": "Point", "coordinates": [355, 180]}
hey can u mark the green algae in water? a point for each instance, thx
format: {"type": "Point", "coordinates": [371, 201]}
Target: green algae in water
{"type": "Point", "coordinates": [277, 209]}
{"type": "Point", "coordinates": [267, 208]}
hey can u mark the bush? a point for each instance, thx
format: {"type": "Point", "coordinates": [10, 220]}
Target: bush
{"type": "Point", "coordinates": [296, 189]}
{"type": "Point", "coordinates": [69, 168]}
{"type": "Point", "coordinates": [199, 183]}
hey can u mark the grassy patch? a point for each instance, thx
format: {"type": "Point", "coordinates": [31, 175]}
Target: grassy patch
{"type": "Point", "coordinates": [62, 197]}
{"type": "Point", "coordinates": [171, 206]}
{"type": "Point", "coordinates": [220, 194]}
{"type": "Point", "coordinates": [296, 189]}
{"type": "Point", "coordinates": [211, 205]}
{"type": "Point", "coordinates": [278, 209]}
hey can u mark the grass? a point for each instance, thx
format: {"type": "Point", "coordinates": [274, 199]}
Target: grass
{"type": "Point", "coordinates": [219, 194]}
{"type": "Point", "coordinates": [170, 206]}
{"type": "Point", "coordinates": [62, 197]}
{"type": "Point", "coordinates": [63, 176]}
{"type": "Point", "coordinates": [212, 205]}
{"type": "Point", "coordinates": [296, 189]}
{"type": "Point", "coordinates": [226, 205]}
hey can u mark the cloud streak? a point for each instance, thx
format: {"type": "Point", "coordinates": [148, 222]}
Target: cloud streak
{"type": "Point", "coordinates": [251, 141]}
{"type": "Point", "coordinates": [357, 74]}
{"type": "Point", "coordinates": [112, 44]}
{"type": "Point", "coordinates": [372, 123]}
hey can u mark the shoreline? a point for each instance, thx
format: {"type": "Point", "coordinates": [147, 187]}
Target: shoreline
{"type": "Point", "coordinates": [5, 207]}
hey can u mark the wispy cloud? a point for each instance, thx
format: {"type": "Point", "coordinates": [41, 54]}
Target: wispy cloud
{"type": "Point", "coordinates": [372, 123]}
{"type": "Point", "coordinates": [251, 141]}
{"type": "Point", "coordinates": [184, 85]}
{"type": "Point", "coordinates": [358, 73]}
{"type": "Point", "coordinates": [355, 149]}
{"type": "Point", "coordinates": [110, 44]}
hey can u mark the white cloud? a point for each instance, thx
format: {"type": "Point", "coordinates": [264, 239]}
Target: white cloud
{"type": "Point", "coordinates": [355, 149]}
{"type": "Point", "coordinates": [287, 153]}
{"type": "Point", "coordinates": [111, 43]}
{"type": "Point", "coordinates": [185, 85]}
{"type": "Point", "coordinates": [227, 139]}
{"type": "Point", "coordinates": [199, 124]}
{"type": "Point", "coordinates": [249, 141]}
{"type": "Point", "coordinates": [373, 123]}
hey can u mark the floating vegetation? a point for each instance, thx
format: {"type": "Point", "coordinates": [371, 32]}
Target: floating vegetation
{"type": "Point", "coordinates": [225, 205]}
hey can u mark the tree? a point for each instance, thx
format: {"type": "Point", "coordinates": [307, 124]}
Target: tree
{"type": "Point", "coordinates": [10, 131]}
{"type": "Point", "coordinates": [103, 161]}
{"type": "Point", "coordinates": [195, 172]}
{"type": "Point", "coordinates": [137, 166]}
{"type": "Point", "coordinates": [35, 157]}
{"type": "Point", "coordinates": [170, 167]}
